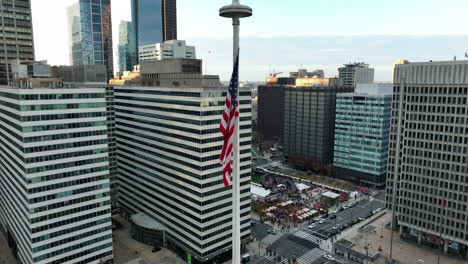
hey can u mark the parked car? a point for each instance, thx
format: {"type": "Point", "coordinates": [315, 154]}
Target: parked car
{"type": "Point", "coordinates": [361, 218]}
{"type": "Point", "coordinates": [322, 221]}
{"type": "Point", "coordinates": [333, 216]}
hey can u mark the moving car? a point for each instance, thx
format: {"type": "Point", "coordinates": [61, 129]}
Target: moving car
{"type": "Point", "coordinates": [322, 221]}
{"type": "Point", "coordinates": [271, 231]}
{"type": "Point", "coordinates": [312, 226]}
{"type": "Point", "coordinates": [333, 216]}
{"type": "Point", "coordinates": [329, 257]}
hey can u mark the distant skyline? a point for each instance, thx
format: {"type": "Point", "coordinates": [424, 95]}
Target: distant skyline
{"type": "Point", "coordinates": [314, 34]}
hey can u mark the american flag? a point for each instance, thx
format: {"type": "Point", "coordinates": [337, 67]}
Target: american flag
{"type": "Point", "coordinates": [228, 124]}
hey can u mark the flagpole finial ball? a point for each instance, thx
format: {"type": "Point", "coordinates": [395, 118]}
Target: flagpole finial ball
{"type": "Point", "coordinates": [235, 10]}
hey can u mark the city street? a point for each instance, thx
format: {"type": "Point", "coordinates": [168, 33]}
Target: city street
{"type": "Point", "coordinates": [361, 209]}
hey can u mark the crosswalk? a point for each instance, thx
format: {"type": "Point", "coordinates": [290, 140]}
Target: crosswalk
{"type": "Point", "coordinates": [308, 236]}
{"type": "Point", "coordinates": [272, 259]}
{"type": "Point", "coordinates": [311, 256]}
{"type": "Point", "coordinates": [270, 239]}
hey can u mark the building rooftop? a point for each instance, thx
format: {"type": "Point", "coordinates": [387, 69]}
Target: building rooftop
{"type": "Point", "coordinates": [145, 221]}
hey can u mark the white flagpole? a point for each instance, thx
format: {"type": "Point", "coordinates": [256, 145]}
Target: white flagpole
{"type": "Point", "coordinates": [236, 236]}
{"type": "Point", "coordinates": [236, 11]}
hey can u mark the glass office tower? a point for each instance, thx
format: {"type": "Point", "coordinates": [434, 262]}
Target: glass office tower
{"type": "Point", "coordinates": [90, 34]}
{"type": "Point", "coordinates": [362, 127]}
{"type": "Point", "coordinates": [127, 46]}
{"type": "Point", "coordinates": [155, 21]}
{"type": "Point", "coordinates": [16, 36]}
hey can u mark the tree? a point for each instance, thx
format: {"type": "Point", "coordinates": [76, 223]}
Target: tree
{"type": "Point", "coordinates": [343, 186]}
{"type": "Point", "coordinates": [334, 183]}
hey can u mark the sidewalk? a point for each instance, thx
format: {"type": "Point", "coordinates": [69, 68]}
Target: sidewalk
{"type": "Point", "coordinates": [5, 253]}
{"type": "Point", "coordinates": [404, 252]}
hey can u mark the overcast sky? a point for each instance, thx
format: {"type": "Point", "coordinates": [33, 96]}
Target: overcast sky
{"type": "Point", "coordinates": [287, 34]}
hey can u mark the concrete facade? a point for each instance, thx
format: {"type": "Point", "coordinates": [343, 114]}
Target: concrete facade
{"type": "Point", "coordinates": [17, 35]}
{"type": "Point", "coordinates": [428, 152]}
{"type": "Point", "coordinates": [309, 121]}
{"type": "Point", "coordinates": [171, 49]}
{"type": "Point", "coordinates": [80, 73]}
{"type": "Point", "coordinates": [354, 73]}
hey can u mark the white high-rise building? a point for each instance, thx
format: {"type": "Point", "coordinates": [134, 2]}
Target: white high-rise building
{"type": "Point", "coordinates": [170, 49]}
{"type": "Point", "coordinates": [168, 147]}
{"type": "Point", "coordinates": [54, 175]}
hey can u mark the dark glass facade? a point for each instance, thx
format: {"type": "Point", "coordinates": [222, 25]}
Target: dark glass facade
{"type": "Point", "coordinates": [147, 18]}
{"type": "Point", "coordinates": [169, 19]}
{"type": "Point", "coordinates": [90, 34]}
{"type": "Point", "coordinates": [16, 36]}
{"type": "Point", "coordinates": [154, 21]}
{"type": "Point", "coordinates": [271, 111]}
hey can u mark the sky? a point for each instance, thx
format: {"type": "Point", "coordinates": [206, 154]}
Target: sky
{"type": "Point", "coordinates": [284, 35]}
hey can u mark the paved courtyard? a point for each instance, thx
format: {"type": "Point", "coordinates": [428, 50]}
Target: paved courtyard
{"type": "Point", "coordinates": [129, 251]}
{"type": "Point", "coordinates": [404, 252]}
{"type": "Point", "coordinates": [5, 253]}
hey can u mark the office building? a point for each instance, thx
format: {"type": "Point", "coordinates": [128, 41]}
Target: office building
{"type": "Point", "coordinates": [362, 128]}
{"type": "Point", "coordinates": [354, 73]}
{"type": "Point", "coordinates": [94, 76]}
{"type": "Point", "coordinates": [155, 21]}
{"type": "Point", "coordinates": [171, 49]}
{"type": "Point", "coordinates": [17, 36]}
{"type": "Point", "coordinates": [29, 69]}
{"type": "Point", "coordinates": [168, 146]}
{"type": "Point", "coordinates": [128, 49]}
{"type": "Point", "coordinates": [169, 19]}
{"type": "Point", "coordinates": [309, 119]}
{"type": "Point", "coordinates": [270, 120]}
{"type": "Point", "coordinates": [54, 173]}
{"type": "Point", "coordinates": [90, 34]}
{"type": "Point", "coordinates": [80, 73]}
{"type": "Point", "coordinates": [302, 73]}
{"type": "Point", "coordinates": [427, 165]}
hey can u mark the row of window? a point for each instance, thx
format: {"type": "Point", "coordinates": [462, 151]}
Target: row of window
{"type": "Point", "coordinates": [74, 247]}
{"type": "Point", "coordinates": [70, 221]}
{"type": "Point", "coordinates": [66, 155]}
{"type": "Point", "coordinates": [71, 230]}
{"type": "Point", "coordinates": [68, 193]}
{"type": "Point", "coordinates": [64, 175]}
